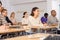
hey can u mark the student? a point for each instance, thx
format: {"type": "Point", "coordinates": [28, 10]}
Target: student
{"type": "Point", "coordinates": [5, 18]}
{"type": "Point", "coordinates": [25, 18]}
{"type": "Point", "coordinates": [34, 20]}
{"type": "Point", "coordinates": [34, 17]}
{"type": "Point", "coordinates": [44, 19]}
{"type": "Point", "coordinates": [12, 18]}
{"type": "Point", "coordinates": [52, 20]}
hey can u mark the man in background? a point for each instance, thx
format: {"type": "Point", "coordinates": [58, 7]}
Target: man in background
{"type": "Point", "coordinates": [52, 20]}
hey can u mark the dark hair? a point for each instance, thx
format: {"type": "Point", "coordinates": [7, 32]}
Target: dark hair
{"type": "Point", "coordinates": [33, 9]}
{"type": "Point", "coordinates": [24, 14]}
{"type": "Point", "coordinates": [46, 14]}
{"type": "Point", "coordinates": [3, 10]}
{"type": "Point", "coordinates": [0, 2]}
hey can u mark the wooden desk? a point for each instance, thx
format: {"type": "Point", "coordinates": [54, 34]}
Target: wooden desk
{"type": "Point", "coordinates": [37, 36]}
{"type": "Point", "coordinates": [44, 28]}
{"type": "Point", "coordinates": [6, 29]}
{"type": "Point", "coordinates": [11, 30]}
{"type": "Point", "coordinates": [48, 27]}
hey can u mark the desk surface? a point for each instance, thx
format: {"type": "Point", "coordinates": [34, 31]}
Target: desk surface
{"type": "Point", "coordinates": [38, 36]}
{"type": "Point", "coordinates": [47, 27]}
{"type": "Point", "coordinates": [21, 29]}
{"type": "Point", "coordinates": [10, 30]}
{"type": "Point", "coordinates": [7, 29]}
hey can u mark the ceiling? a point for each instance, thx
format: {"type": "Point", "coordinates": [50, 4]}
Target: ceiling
{"type": "Point", "coordinates": [13, 2]}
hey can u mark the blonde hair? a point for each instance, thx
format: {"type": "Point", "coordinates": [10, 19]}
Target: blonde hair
{"type": "Point", "coordinates": [12, 14]}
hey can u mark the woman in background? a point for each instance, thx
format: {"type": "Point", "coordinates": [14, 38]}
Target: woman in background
{"type": "Point", "coordinates": [12, 18]}
{"type": "Point", "coordinates": [25, 18]}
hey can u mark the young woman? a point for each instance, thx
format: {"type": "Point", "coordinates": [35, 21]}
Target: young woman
{"type": "Point", "coordinates": [12, 18]}
{"type": "Point", "coordinates": [25, 18]}
{"type": "Point", "coordinates": [34, 18]}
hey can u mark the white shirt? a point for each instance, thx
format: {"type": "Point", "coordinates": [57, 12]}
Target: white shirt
{"type": "Point", "coordinates": [34, 22]}
{"type": "Point", "coordinates": [52, 20]}
{"type": "Point", "coordinates": [25, 21]}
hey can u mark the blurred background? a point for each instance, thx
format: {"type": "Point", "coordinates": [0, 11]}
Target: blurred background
{"type": "Point", "coordinates": [19, 6]}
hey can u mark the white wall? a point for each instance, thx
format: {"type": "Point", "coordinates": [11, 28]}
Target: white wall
{"type": "Point", "coordinates": [49, 6]}
{"type": "Point", "coordinates": [14, 2]}
{"type": "Point", "coordinates": [59, 9]}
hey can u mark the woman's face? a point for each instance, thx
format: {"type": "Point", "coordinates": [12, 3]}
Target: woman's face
{"type": "Point", "coordinates": [36, 12]}
{"type": "Point", "coordinates": [26, 15]}
{"type": "Point", "coordinates": [13, 15]}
